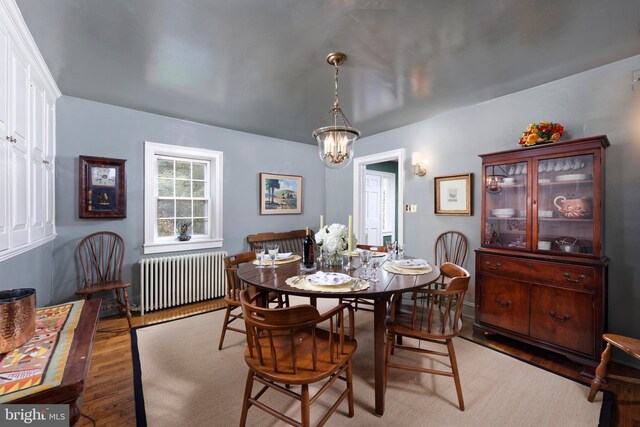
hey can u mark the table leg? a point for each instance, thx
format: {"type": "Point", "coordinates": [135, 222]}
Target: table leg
{"type": "Point", "coordinates": [379, 315]}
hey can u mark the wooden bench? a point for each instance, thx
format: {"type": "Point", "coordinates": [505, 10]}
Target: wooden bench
{"type": "Point", "coordinates": [289, 241]}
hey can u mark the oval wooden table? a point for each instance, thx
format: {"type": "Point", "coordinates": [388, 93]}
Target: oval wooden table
{"type": "Point", "coordinates": [380, 292]}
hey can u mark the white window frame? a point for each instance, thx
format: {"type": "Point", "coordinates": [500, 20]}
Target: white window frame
{"type": "Point", "coordinates": [152, 243]}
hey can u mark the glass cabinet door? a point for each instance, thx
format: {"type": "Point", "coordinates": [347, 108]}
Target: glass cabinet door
{"type": "Point", "coordinates": [565, 204]}
{"type": "Point", "coordinates": [505, 207]}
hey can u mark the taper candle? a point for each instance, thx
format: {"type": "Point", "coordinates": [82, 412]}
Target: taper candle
{"type": "Point", "coordinates": [321, 221]}
{"type": "Point", "coordinates": [350, 244]}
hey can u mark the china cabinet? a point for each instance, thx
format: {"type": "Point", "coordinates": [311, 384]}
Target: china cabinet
{"type": "Point", "coordinates": [27, 138]}
{"type": "Point", "coordinates": [541, 275]}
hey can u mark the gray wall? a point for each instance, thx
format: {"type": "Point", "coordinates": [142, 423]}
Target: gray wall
{"type": "Point", "coordinates": [91, 128]}
{"type": "Point", "coordinates": [31, 269]}
{"type": "Point", "coordinates": [591, 103]}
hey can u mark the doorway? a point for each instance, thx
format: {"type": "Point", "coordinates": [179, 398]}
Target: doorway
{"type": "Point", "coordinates": [380, 204]}
{"type": "Point", "coordinates": [379, 197]}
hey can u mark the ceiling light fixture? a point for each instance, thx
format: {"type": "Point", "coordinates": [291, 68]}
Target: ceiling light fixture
{"type": "Point", "coordinates": [336, 136]}
{"type": "Point", "coordinates": [495, 179]}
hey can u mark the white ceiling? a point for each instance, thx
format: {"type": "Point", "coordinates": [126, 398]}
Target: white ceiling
{"type": "Point", "coordinates": [259, 65]}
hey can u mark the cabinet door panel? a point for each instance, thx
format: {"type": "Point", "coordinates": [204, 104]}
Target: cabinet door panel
{"type": "Point", "coordinates": [19, 193]}
{"type": "Point", "coordinates": [563, 317]}
{"type": "Point", "coordinates": [504, 303]}
{"type": "Point", "coordinates": [4, 145]}
{"type": "Point", "coordinates": [19, 100]}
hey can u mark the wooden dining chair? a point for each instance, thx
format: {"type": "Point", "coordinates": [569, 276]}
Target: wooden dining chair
{"type": "Point", "coordinates": [358, 302]}
{"type": "Point", "coordinates": [234, 286]}
{"type": "Point", "coordinates": [287, 351]}
{"type": "Point", "coordinates": [101, 255]}
{"type": "Point", "coordinates": [631, 346]}
{"type": "Point", "coordinates": [450, 246]}
{"type": "Point", "coordinates": [434, 317]}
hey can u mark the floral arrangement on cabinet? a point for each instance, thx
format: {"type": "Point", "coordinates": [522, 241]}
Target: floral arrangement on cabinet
{"type": "Point", "coordinates": [540, 133]}
{"type": "Point", "coordinates": [333, 240]}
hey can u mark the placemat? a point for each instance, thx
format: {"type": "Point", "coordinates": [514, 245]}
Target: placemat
{"type": "Point", "coordinates": [39, 363]}
{"type": "Point", "coordinates": [267, 262]}
{"type": "Point", "coordinates": [392, 268]}
{"type": "Point", "coordinates": [304, 284]}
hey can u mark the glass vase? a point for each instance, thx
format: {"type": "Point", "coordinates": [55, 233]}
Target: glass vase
{"type": "Point", "coordinates": [333, 260]}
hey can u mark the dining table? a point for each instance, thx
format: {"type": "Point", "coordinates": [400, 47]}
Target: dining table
{"type": "Point", "coordinates": [388, 283]}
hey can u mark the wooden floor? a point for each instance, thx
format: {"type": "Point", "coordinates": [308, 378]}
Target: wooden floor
{"type": "Point", "coordinates": [109, 401]}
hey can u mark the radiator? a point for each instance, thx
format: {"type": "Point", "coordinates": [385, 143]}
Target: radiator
{"type": "Point", "coordinates": [175, 280]}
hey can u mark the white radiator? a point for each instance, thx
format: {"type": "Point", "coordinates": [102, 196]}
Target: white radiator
{"type": "Point", "coordinates": [175, 280]}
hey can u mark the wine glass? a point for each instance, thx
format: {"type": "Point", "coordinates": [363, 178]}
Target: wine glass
{"type": "Point", "coordinates": [365, 258]}
{"type": "Point", "coordinates": [273, 254]}
{"type": "Point", "coordinates": [400, 250]}
{"type": "Point", "coordinates": [375, 265]}
{"type": "Point", "coordinates": [259, 249]}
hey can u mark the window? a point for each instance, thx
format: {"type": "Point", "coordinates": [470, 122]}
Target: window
{"type": "Point", "coordinates": [183, 191]}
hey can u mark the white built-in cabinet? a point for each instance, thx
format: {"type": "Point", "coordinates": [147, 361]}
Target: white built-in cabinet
{"type": "Point", "coordinates": [27, 138]}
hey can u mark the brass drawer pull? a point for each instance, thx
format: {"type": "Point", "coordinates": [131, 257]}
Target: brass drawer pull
{"type": "Point", "coordinates": [503, 304]}
{"type": "Point", "coordinates": [492, 268]}
{"type": "Point", "coordinates": [559, 319]}
{"type": "Point", "coordinates": [578, 280]}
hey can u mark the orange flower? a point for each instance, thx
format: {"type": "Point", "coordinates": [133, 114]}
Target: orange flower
{"type": "Point", "coordinates": [555, 136]}
{"type": "Point", "coordinates": [532, 139]}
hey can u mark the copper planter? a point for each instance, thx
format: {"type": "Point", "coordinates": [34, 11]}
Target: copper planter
{"type": "Point", "coordinates": [17, 317]}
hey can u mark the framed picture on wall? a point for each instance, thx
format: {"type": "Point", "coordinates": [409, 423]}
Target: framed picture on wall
{"type": "Point", "coordinates": [280, 194]}
{"type": "Point", "coordinates": [103, 188]}
{"type": "Point", "coordinates": [453, 194]}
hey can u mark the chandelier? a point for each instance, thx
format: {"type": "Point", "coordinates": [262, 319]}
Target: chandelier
{"type": "Point", "coordinates": [494, 180]}
{"type": "Point", "coordinates": [336, 136]}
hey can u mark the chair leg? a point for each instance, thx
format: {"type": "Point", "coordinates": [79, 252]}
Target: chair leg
{"type": "Point", "coordinates": [350, 387]}
{"type": "Point", "coordinates": [305, 406]}
{"type": "Point", "coordinates": [601, 372]}
{"type": "Point", "coordinates": [247, 394]}
{"type": "Point", "coordinates": [456, 374]}
{"type": "Point", "coordinates": [224, 326]}
{"type": "Point", "coordinates": [127, 308]}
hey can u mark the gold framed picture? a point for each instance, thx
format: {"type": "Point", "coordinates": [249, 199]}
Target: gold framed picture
{"type": "Point", "coordinates": [453, 194]}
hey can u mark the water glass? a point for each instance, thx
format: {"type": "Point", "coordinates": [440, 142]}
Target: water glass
{"type": "Point", "coordinates": [365, 258]}
{"type": "Point", "coordinates": [400, 250]}
{"type": "Point", "coordinates": [259, 249]}
{"type": "Point", "coordinates": [273, 254]}
{"type": "Point", "coordinates": [375, 265]}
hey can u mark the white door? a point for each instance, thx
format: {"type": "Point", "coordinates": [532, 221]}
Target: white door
{"type": "Point", "coordinates": [4, 145]}
{"type": "Point", "coordinates": [380, 207]}
{"type": "Point", "coordinates": [373, 204]}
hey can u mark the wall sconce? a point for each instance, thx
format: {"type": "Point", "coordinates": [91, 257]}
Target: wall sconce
{"type": "Point", "coordinates": [418, 161]}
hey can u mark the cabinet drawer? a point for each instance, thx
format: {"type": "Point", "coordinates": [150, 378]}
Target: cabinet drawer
{"type": "Point", "coordinates": [539, 271]}
{"type": "Point", "coordinates": [504, 303]}
{"type": "Point", "coordinates": [563, 317]}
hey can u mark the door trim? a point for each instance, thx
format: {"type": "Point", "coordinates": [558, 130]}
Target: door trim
{"type": "Point", "coordinates": [359, 169]}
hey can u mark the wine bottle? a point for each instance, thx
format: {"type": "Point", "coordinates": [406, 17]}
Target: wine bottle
{"type": "Point", "coordinates": [307, 255]}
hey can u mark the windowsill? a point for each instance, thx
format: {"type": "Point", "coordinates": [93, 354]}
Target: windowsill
{"type": "Point", "coordinates": [175, 246]}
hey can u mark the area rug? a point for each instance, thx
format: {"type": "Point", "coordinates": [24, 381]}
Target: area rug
{"type": "Point", "coordinates": [183, 379]}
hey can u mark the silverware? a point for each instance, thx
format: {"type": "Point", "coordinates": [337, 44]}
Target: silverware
{"type": "Point", "coordinates": [298, 279]}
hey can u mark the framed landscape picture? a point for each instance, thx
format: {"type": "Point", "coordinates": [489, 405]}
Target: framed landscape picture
{"type": "Point", "coordinates": [453, 194]}
{"type": "Point", "coordinates": [280, 194]}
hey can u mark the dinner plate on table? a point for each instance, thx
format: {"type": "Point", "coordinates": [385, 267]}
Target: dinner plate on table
{"type": "Point", "coordinates": [328, 279]}
{"type": "Point", "coordinates": [284, 255]}
{"type": "Point", "coordinates": [411, 263]}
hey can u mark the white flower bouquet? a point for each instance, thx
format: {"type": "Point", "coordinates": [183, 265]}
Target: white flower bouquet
{"type": "Point", "coordinates": [333, 239]}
